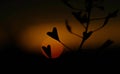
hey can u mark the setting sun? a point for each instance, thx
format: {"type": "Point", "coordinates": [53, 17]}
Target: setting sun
{"type": "Point", "coordinates": [56, 47]}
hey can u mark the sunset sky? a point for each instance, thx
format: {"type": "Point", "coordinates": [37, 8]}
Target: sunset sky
{"type": "Point", "coordinates": [29, 22]}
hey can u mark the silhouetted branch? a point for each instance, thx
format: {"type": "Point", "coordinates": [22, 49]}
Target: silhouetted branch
{"type": "Point", "coordinates": [69, 29]}
{"type": "Point", "coordinates": [80, 18]}
{"type": "Point", "coordinates": [85, 37]}
{"type": "Point", "coordinates": [111, 15]}
{"type": "Point", "coordinates": [85, 19]}
{"type": "Point", "coordinates": [65, 46]}
{"type": "Point", "coordinates": [86, 34]}
{"type": "Point", "coordinates": [77, 35]}
{"type": "Point", "coordinates": [66, 2]}
{"type": "Point", "coordinates": [88, 5]}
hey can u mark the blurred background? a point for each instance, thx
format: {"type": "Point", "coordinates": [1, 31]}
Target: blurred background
{"type": "Point", "coordinates": [27, 22]}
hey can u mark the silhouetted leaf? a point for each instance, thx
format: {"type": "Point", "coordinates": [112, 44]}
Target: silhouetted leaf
{"type": "Point", "coordinates": [106, 44]}
{"type": "Point", "coordinates": [47, 50]}
{"type": "Point", "coordinates": [101, 49]}
{"type": "Point", "coordinates": [54, 34]}
{"type": "Point", "coordinates": [67, 26]}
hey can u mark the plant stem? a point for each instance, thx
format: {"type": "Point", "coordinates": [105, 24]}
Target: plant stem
{"type": "Point", "coordinates": [80, 47]}
{"type": "Point", "coordinates": [87, 26]}
{"type": "Point", "coordinates": [65, 45]}
{"type": "Point", "coordinates": [88, 21]}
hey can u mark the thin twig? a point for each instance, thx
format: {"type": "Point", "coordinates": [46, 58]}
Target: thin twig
{"type": "Point", "coordinates": [65, 45]}
{"type": "Point", "coordinates": [70, 6]}
{"type": "Point", "coordinates": [98, 29]}
{"type": "Point", "coordinates": [77, 35]}
{"type": "Point", "coordinates": [83, 26]}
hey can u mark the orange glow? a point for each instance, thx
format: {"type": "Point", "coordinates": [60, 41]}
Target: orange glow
{"type": "Point", "coordinates": [56, 47]}
{"type": "Point", "coordinates": [34, 37]}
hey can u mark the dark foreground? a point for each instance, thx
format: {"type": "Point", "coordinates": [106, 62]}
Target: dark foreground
{"type": "Point", "coordinates": [13, 56]}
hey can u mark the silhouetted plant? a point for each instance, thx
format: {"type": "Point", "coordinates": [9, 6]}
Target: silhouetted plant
{"type": "Point", "coordinates": [84, 17]}
{"type": "Point", "coordinates": [54, 35]}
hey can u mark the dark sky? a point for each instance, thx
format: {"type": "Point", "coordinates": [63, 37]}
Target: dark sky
{"type": "Point", "coordinates": [43, 8]}
{"type": "Point", "coordinates": [16, 15]}
{"type": "Point", "coordinates": [10, 8]}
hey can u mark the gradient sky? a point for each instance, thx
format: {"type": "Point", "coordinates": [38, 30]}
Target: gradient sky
{"type": "Point", "coordinates": [29, 21]}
